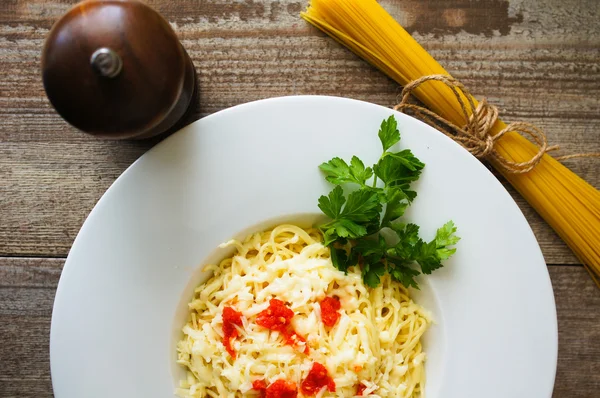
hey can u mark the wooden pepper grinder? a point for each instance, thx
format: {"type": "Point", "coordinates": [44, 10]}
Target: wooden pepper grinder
{"type": "Point", "coordinates": [115, 69]}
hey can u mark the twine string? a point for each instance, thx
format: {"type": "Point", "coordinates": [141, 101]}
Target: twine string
{"type": "Point", "coordinates": [475, 136]}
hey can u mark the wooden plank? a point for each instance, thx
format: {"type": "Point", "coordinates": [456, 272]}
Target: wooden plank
{"type": "Point", "coordinates": [27, 292]}
{"type": "Point", "coordinates": [27, 287]}
{"type": "Point", "coordinates": [30, 272]}
{"type": "Point", "coordinates": [27, 389]}
{"type": "Point", "coordinates": [578, 309]}
{"type": "Point", "coordinates": [41, 388]}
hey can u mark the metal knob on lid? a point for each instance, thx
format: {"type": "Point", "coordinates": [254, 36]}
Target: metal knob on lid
{"type": "Point", "coordinates": [116, 69]}
{"type": "Point", "coordinates": [106, 62]}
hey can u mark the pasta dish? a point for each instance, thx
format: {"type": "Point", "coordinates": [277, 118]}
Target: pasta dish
{"type": "Point", "coordinates": [277, 319]}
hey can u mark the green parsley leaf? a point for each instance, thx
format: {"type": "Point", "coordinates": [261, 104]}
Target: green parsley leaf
{"type": "Point", "coordinates": [371, 250]}
{"type": "Point", "coordinates": [445, 253]}
{"type": "Point", "coordinates": [445, 237]}
{"type": "Point", "coordinates": [411, 195]}
{"type": "Point", "coordinates": [372, 273]}
{"type": "Point", "coordinates": [332, 204]}
{"type": "Point", "coordinates": [338, 172]}
{"type": "Point", "coordinates": [398, 170]}
{"type": "Point", "coordinates": [342, 228]}
{"type": "Point", "coordinates": [426, 256]}
{"type": "Point", "coordinates": [359, 173]}
{"type": "Point", "coordinates": [339, 258]}
{"type": "Point", "coordinates": [397, 202]}
{"type": "Point", "coordinates": [389, 133]}
{"type": "Point", "coordinates": [405, 275]}
{"type": "Point", "coordinates": [361, 212]}
{"type": "Point", "coordinates": [363, 206]}
{"type": "Point", "coordinates": [408, 239]}
{"type": "Point", "coordinates": [408, 159]}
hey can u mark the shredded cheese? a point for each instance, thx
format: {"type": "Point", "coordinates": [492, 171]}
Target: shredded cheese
{"type": "Point", "coordinates": [375, 342]}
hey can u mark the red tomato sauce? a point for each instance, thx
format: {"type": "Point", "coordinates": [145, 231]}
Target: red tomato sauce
{"type": "Point", "coordinates": [360, 389]}
{"type": "Point", "coordinates": [261, 386]}
{"type": "Point", "coordinates": [317, 378]}
{"type": "Point", "coordinates": [278, 317]}
{"type": "Point", "coordinates": [295, 340]}
{"type": "Point", "coordinates": [279, 389]}
{"type": "Point", "coordinates": [231, 318]}
{"type": "Point", "coordinates": [329, 310]}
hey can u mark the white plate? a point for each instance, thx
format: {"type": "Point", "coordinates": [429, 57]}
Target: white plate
{"type": "Point", "coordinates": [122, 295]}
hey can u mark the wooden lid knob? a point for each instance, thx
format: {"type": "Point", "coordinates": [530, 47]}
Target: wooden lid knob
{"type": "Point", "coordinates": [116, 69]}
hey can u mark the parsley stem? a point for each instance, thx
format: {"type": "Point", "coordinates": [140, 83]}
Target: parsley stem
{"type": "Point", "coordinates": [375, 175]}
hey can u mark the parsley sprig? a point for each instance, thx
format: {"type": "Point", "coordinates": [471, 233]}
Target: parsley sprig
{"type": "Point", "coordinates": [358, 219]}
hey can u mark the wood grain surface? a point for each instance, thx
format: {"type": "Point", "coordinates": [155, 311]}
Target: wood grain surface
{"type": "Point", "coordinates": [538, 60]}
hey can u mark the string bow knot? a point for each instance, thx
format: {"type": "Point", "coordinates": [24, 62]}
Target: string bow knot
{"type": "Point", "coordinates": [475, 136]}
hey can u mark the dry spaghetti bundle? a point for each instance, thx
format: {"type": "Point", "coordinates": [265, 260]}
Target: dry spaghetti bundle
{"type": "Point", "coordinates": [568, 203]}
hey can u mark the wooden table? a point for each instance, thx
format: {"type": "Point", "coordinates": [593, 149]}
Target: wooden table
{"type": "Point", "coordinates": [538, 60]}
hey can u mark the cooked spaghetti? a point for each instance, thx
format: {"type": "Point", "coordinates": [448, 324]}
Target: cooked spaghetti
{"type": "Point", "coordinates": [277, 317]}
